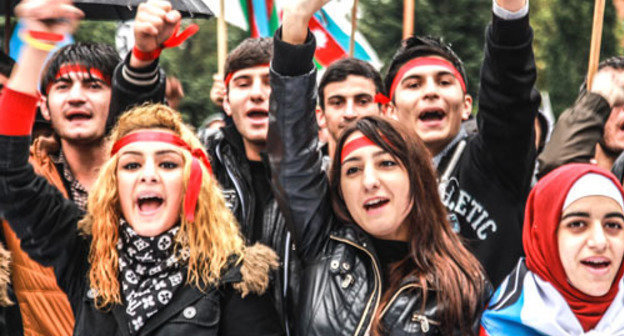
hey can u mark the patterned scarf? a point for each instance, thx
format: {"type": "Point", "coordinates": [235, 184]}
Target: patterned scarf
{"type": "Point", "coordinates": [150, 272]}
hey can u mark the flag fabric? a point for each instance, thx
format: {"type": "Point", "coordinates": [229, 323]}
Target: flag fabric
{"type": "Point", "coordinates": [332, 31]}
{"type": "Point", "coordinates": [261, 17]}
{"type": "Point", "coordinates": [331, 27]}
{"type": "Point", "coordinates": [234, 13]}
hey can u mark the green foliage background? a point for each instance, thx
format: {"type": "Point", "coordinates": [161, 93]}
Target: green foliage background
{"type": "Point", "coordinates": [562, 38]}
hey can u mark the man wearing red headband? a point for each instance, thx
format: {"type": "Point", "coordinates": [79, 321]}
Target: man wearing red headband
{"type": "Point", "coordinates": [484, 177]}
{"type": "Point", "coordinates": [75, 92]}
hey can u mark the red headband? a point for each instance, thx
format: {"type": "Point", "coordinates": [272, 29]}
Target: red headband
{"type": "Point", "coordinates": [354, 144]}
{"type": "Point", "coordinates": [424, 61]}
{"type": "Point", "coordinates": [67, 69]}
{"type": "Point", "coordinates": [229, 76]}
{"type": "Point", "coordinates": [194, 184]}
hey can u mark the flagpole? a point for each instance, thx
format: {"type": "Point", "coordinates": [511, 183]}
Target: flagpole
{"type": "Point", "coordinates": [221, 38]}
{"type": "Point", "coordinates": [594, 51]}
{"type": "Point", "coordinates": [408, 18]}
{"type": "Point", "coordinates": [353, 28]}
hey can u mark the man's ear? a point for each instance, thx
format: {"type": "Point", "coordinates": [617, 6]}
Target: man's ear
{"type": "Point", "coordinates": [467, 108]}
{"type": "Point", "coordinates": [320, 117]}
{"type": "Point", "coordinates": [43, 106]}
{"type": "Point", "coordinates": [226, 106]}
{"type": "Point", "coordinates": [390, 111]}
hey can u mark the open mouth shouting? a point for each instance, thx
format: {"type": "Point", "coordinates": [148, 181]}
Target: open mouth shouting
{"type": "Point", "coordinates": [78, 115]}
{"type": "Point", "coordinates": [597, 265]}
{"type": "Point", "coordinates": [258, 116]}
{"type": "Point", "coordinates": [375, 205]}
{"type": "Point", "coordinates": [149, 203]}
{"type": "Point", "coordinates": [431, 116]}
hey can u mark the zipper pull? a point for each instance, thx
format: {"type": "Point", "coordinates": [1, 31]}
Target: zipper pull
{"type": "Point", "coordinates": [423, 321]}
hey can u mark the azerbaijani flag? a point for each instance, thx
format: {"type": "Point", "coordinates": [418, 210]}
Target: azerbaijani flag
{"type": "Point", "coordinates": [261, 16]}
{"type": "Point", "coordinates": [331, 27]}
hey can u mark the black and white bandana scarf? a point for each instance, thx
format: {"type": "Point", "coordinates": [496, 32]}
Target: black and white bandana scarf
{"type": "Point", "coordinates": [149, 271]}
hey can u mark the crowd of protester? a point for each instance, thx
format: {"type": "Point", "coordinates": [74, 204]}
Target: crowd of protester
{"type": "Point", "coordinates": [359, 204]}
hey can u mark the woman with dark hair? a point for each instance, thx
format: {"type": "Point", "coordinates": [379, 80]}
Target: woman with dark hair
{"type": "Point", "coordinates": [378, 251]}
{"type": "Point", "coordinates": [571, 280]}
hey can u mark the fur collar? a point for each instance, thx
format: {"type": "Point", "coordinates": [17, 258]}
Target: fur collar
{"type": "Point", "coordinates": [5, 276]}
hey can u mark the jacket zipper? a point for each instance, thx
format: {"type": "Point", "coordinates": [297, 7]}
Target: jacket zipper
{"type": "Point", "coordinates": [398, 292]}
{"type": "Point", "coordinates": [423, 320]}
{"type": "Point", "coordinates": [234, 182]}
{"type": "Point", "coordinates": [377, 284]}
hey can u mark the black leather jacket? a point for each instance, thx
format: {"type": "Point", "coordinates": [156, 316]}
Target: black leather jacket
{"type": "Point", "coordinates": [341, 284]}
{"type": "Point", "coordinates": [230, 167]}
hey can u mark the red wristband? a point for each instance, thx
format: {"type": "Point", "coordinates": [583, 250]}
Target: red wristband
{"type": "Point", "coordinates": [146, 56]}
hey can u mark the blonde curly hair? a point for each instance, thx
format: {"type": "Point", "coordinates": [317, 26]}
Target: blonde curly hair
{"type": "Point", "coordinates": [211, 239]}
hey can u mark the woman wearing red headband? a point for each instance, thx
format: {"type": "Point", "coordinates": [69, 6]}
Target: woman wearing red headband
{"type": "Point", "coordinates": [158, 252]}
{"type": "Point", "coordinates": [571, 280]}
{"type": "Point", "coordinates": [380, 254]}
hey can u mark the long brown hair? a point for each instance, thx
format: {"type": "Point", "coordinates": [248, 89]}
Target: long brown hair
{"type": "Point", "coordinates": [437, 257]}
{"type": "Point", "coordinates": [211, 240]}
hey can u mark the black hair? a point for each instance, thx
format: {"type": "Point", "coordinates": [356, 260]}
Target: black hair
{"type": "Point", "coordinates": [99, 56]}
{"type": "Point", "coordinates": [6, 64]}
{"type": "Point", "coordinates": [341, 69]}
{"type": "Point", "coordinates": [249, 53]}
{"type": "Point", "coordinates": [419, 46]}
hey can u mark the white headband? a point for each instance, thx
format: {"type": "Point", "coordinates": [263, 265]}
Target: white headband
{"type": "Point", "coordinates": [593, 184]}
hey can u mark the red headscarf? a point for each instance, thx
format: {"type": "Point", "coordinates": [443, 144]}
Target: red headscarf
{"type": "Point", "coordinates": [541, 219]}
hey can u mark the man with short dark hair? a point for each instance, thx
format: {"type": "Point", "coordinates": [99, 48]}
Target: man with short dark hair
{"type": "Point", "coordinates": [348, 89]}
{"type": "Point", "coordinates": [484, 177]}
{"type": "Point", "coordinates": [76, 92]}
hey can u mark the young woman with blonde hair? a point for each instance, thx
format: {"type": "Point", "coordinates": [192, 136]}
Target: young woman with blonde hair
{"type": "Point", "coordinates": [158, 252]}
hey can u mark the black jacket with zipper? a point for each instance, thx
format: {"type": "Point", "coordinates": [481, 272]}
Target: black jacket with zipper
{"type": "Point", "coordinates": [341, 278]}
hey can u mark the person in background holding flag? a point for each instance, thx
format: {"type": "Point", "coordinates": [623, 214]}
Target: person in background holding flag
{"type": "Point", "coordinates": [571, 280]}
{"type": "Point", "coordinates": [484, 177]}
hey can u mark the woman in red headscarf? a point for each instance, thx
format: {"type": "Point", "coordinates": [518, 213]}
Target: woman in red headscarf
{"type": "Point", "coordinates": [569, 283]}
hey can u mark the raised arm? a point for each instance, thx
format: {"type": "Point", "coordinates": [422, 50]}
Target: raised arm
{"type": "Point", "coordinates": [508, 102]}
{"type": "Point", "coordinates": [300, 185]}
{"type": "Point", "coordinates": [512, 5]}
{"type": "Point", "coordinates": [38, 213]}
{"type": "Point", "coordinates": [580, 128]}
{"type": "Point", "coordinates": [138, 78]}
